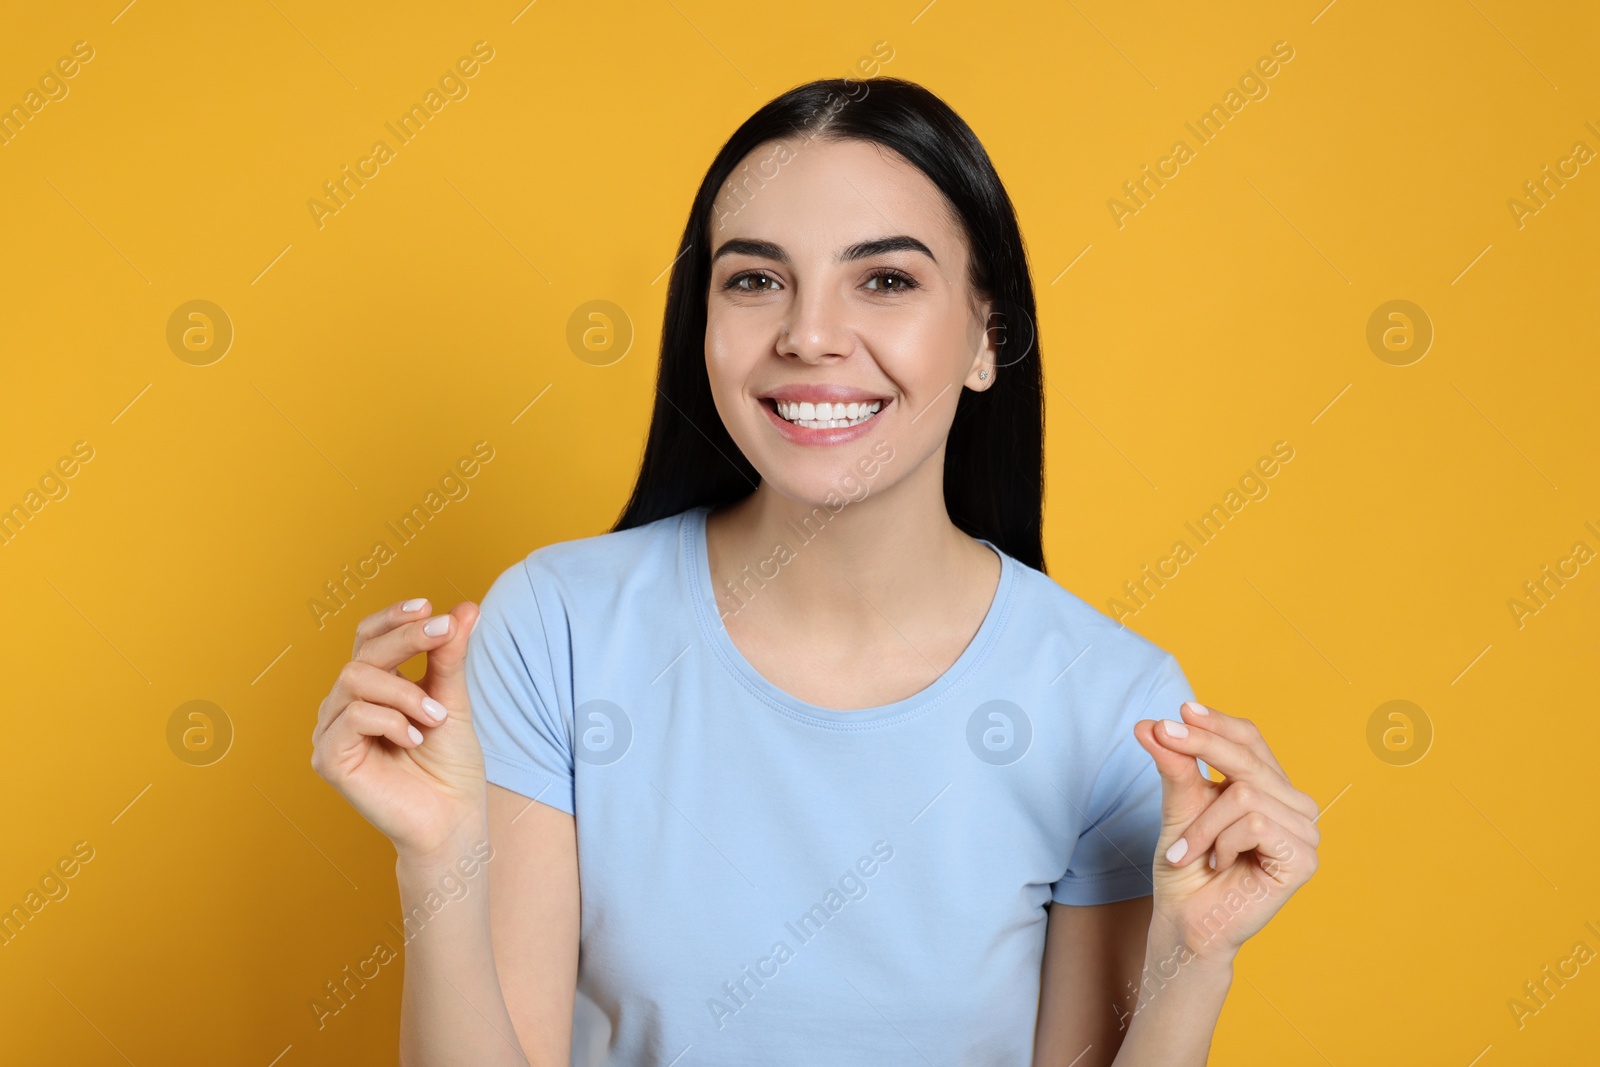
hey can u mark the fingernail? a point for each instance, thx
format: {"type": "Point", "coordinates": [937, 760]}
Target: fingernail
{"type": "Point", "coordinates": [416, 734]}
{"type": "Point", "coordinates": [1175, 728]}
{"type": "Point", "coordinates": [1213, 861]}
{"type": "Point", "coordinates": [413, 605]}
{"type": "Point", "coordinates": [1179, 848]}
{"type": "Point", "coordinates": [434, 709]}
{"type": "Point", "coordinates": [436, 626]}
{"type": "Point", "coordinates": [1198, 709]}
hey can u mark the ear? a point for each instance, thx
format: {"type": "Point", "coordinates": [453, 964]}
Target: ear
{"type": "Point", "coordinates": [983, 360]}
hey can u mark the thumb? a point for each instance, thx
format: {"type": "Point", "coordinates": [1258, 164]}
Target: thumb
{"type": "Point", "coordinates": [1184, 792]}
{"type": "Point", "coordinates": [445, 679]}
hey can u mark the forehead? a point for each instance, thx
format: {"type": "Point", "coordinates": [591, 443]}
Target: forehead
{"type": "Point", "coordinates": [819, 196]}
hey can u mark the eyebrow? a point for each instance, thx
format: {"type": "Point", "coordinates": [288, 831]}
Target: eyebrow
{"type": "Point", "coordinates": [860, 250]}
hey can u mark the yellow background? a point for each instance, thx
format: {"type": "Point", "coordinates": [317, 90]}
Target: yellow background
{"type": "Point", "coordinates": [370, 354]}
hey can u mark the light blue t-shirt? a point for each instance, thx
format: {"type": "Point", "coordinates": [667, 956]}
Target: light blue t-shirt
{"type": "Point", "coordinates": [765, 881]}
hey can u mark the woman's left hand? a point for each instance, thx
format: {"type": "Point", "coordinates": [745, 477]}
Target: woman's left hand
{"type": "Point", "coordinates": [1258, 830]}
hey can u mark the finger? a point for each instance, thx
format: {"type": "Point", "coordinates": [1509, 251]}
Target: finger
{"type": "Point", "coordinates": [360, 721]}
{"type": "Point", "coordinates": [445, 677]}
{"type": "Point", "coordinates": [1282, 855]}
{"type": "Point", "coordinates": [1244, 731]}
{"type": "Point", "coordinates": [1237, 800]}
{"type": "Point", "coordinates": [1229, 757]}
{"type": "Point", "coordinates": [390, 648]}
{"type": "Point", "coordinates": [364, 681]}
{"type": "Point", "coordinates": [1240, 731]}
{"type": "Point", "coordinates": [1236, 761]}
{"type": "Point", "coordinates": [1185, 793]}
{"type": "Point", "coordinates": [381, 622]}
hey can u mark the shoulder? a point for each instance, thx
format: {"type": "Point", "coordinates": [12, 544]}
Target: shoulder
{"type": "Point", "coordinates": [1108, 677]}
{"type": "Point", "coordinates": [1107, 654]}
{"type": "Point", "coordinates": [599, 569]}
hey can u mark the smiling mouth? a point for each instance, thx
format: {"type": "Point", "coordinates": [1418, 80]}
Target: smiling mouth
{"type": "Point", "coordinates": [824, 416]}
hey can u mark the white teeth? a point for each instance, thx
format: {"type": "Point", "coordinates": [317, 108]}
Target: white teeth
{"type": "Point", "coordinates": [827, 416]}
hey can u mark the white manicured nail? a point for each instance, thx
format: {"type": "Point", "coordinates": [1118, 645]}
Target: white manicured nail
{"type": "Point", "coordinates": [413, 605]}
{"type": "Point", "coordinates": [1179, 848]}
{"type": "Point", "coordinates": [1198, 709]}
{"type": "Point", "coordinates": [433, 709]}
{"type": "Point", "coordinates": [416, 734]}
{"type": "Point", "coordinates": [436, 626]}
{"type": "Point", "coordinates": [1213, 861]}
{"type": "Point", "coordinates": [1175, 728]}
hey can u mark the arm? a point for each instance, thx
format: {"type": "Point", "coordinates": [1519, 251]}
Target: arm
{"type": "Point", "coordinates": [1112, 996]}
{"type": "Point", "coordinates": [535, 910]}
{"type": "Point", "coordinates": [490, 957]}
{"type": "Point", "coordinates": [1180, 1000]}
{"type": "Point", "coordinates": [490, 979]}
{"type": "Point", "coordinates": [1092, 956]}
{"type": "Point", "coordinates": [1228, 856]}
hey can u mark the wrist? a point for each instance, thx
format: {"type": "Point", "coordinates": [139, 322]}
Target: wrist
{"type": "Point", "coordinates": [1169, 945]}
{"type": "Point", "coordinates": [464, 845]}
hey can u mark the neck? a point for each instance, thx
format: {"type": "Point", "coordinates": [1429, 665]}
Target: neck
{"type": "Point", "coordinates": [824, 563]}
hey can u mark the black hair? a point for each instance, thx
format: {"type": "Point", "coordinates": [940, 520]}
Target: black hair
{"type": "Point", "coordinates": [994, 455]}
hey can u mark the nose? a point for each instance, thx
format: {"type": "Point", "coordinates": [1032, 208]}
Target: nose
{"type": "Point", "coordinates": [815, 328]}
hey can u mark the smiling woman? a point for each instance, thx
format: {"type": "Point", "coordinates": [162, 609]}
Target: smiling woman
{"type": "Point", "coordinates": [909, 675]}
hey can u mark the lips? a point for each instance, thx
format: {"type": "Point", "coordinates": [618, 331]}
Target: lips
{"type": "Point", "coordinates": [826, 416]}
{"type": "Point", "coordinates": [825, 394]}
{"type": "Point", "coordinates": [830, 435]}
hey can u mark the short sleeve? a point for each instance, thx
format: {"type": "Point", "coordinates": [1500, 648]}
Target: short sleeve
{"type": "Point", "coordinates": [516, 709]}
{"type": "Point", "coordinates": [1113, 856]}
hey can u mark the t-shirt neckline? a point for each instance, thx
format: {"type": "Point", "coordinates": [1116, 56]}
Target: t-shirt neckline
{"type": "Point", "coordinates": [696, 563]}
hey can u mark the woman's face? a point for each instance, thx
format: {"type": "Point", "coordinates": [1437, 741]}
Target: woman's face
{"type": "Point", "coordinates": [839, 276]}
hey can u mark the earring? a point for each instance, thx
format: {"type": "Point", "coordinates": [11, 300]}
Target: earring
{"type": "Point", "coordinates": [983, 374]}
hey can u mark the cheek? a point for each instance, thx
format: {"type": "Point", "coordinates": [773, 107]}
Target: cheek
{"type": "Point", "coordinates": [727, 358]}
{"type": "Point", "coordinates": [731, 359]}
{"type": "Point", "coordinates": [923, 355]}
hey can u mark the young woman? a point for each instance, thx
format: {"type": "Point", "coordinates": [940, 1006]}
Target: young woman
{"type": "Point", "coordinates": [838, 774]}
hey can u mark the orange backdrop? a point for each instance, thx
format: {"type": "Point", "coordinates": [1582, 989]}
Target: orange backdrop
{"type": "Point", "coordinates": [232, 370]}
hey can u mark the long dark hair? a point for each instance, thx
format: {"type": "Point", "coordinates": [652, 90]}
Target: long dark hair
{"type": "Point", "coordinates": [994, 456]}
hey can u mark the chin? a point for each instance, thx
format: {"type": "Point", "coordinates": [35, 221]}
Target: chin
{"type": "Point", "coordinates": [832, 483]}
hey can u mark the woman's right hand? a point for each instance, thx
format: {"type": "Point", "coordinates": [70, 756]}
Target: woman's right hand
{"type": "Point", "coordinates": [422, 794]}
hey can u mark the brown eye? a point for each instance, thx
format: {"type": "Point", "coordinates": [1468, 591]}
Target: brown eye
{"type": "Point", "coordinates": [733, 283]}
{"type": "Point", "coordinates": [902, 281]}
